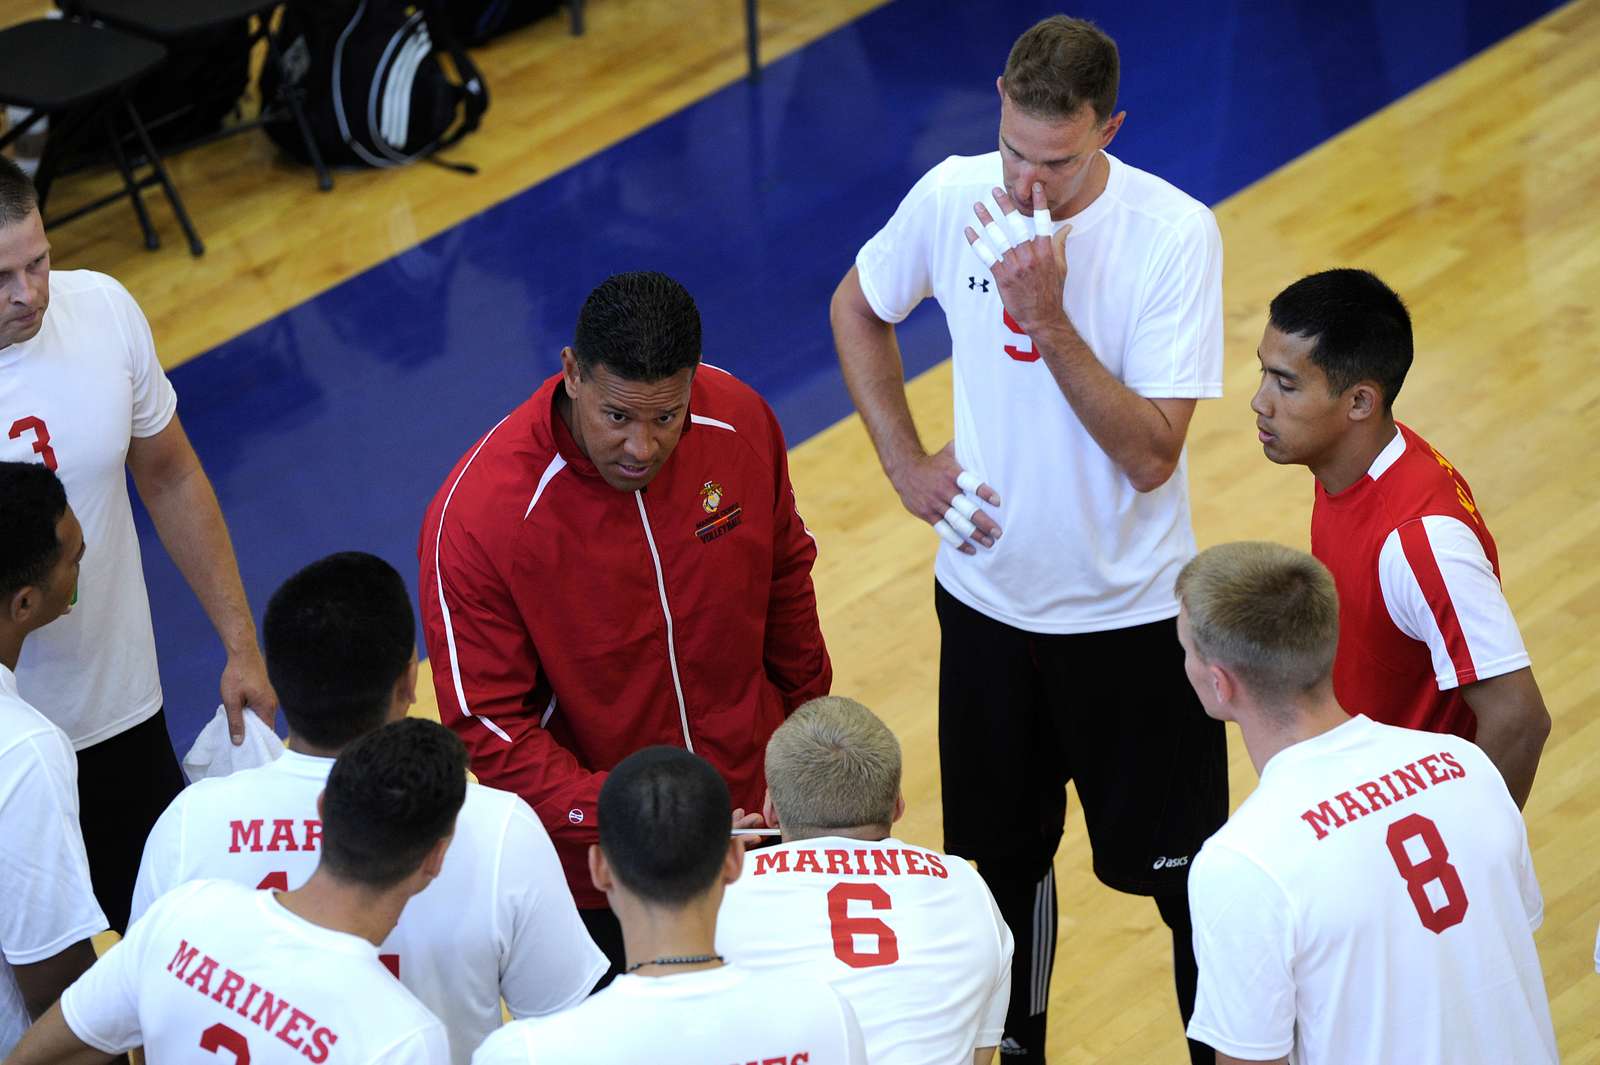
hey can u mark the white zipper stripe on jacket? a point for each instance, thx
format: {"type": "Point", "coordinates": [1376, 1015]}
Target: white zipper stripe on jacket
{"type": "Point", "coordinates": [444, 608]}
{"type": "Point", "coordinates": [666, 612]}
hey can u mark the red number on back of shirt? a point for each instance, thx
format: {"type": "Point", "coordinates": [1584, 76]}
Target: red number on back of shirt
{"type": "Point", "coordinates": [221, 1037]}
{"type": "Point", "coordinates": [41, 437]}
{"type": "Point", "coordinates": [846, 928]}
{"type": "Point", "coordinates": [1418, 875]}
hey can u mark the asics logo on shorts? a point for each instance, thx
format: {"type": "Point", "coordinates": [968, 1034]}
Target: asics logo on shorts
{"type": "Point", "coordinates": [1171, 863]}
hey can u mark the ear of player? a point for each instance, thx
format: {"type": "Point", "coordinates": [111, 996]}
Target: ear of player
{"type": "Point", "coordinates": [956, 527]}
{"type": "Point", "coordinates": [1010, 230]}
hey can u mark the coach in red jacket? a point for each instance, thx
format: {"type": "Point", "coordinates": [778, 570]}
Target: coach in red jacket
{"type": "Point", "coordinates": [619, 563]}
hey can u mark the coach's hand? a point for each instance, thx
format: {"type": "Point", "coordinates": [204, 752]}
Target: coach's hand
{"type": "Point", "coordinates": [245, 684]}
{"type": "Point", "coordinates": [930, 489]}
{"type": "Point", "coordinates": [1029, 265]}
{"type": "Point", "coordinates": [750, 820]}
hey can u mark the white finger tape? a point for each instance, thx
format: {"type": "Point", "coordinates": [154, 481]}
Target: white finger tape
{"type": "Point", "coordinates": [981, 250]}
{"type": "Point", "coordinates": [969, 481]}
{"type": "Point", "coordinates": [1016, 227]}
{"type": "Point", "coordinates": [1041, 224]}
{"type": "Point", "coordinates": [964, 506]}
{"type": "Point", "coordinates": [947, 534]}
{"type": "Point", "coordinates": [959, 523]}
{"type": "Point", "coordinates": [997, 237]}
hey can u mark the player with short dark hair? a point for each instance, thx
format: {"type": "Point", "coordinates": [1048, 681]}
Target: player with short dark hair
{"type": "Point", "coordinates": [498, 923]}
{"type": "Point", "coordinates": [285, 977]}
{"type": "Point", "coordinates": [663, 858]}
{"type": "Point", "coordinates": [912, 938]}
{"type": "Point", "coordinates": [1428, 640]}
{"type": "Point", "coordinates": [47, 906]}
{"type": "Point", "coordinates": [1074, 389]}
{"type": "Point", "coordinates": [338, 635]}
{"type": "Point", "coordinates": [1374, 898]}
{"type": "Point", "coordinates": [572, 617]}
{"type": "Point", "coordinates": [88, 398]}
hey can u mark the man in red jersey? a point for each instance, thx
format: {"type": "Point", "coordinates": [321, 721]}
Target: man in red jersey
{"type": "Point", "coordinates": [619, 563]}
{"type": "Point", "coordinates": [1426, 638]}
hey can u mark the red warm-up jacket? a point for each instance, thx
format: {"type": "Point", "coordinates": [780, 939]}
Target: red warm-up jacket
{"type": "Point", "coordinates": [570, 624]}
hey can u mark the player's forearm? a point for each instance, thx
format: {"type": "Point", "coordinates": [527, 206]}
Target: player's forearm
{"type": "Point", "coordinates": [869, 357]}
{"type": "Point", "coordinates": [1130, 429]}
{"type": "Point", "coordinates": [189, 521]}
{"type": "Point", "coordinates": [1513, 725]}
{"type": "Point", "coordinates": [52, 1042]}
{"type": "Point", "coordinates": [42, 982]}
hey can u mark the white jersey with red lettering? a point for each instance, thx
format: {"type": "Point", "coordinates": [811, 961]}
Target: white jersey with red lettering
{"type": "Point", "coordinates": [216, 967]}
{"type": "Point", "coordinates": [47, 903]}
{"type": "Point", "coordinates": [710, 1017]}
{"type": "Point", "coordinates": [498, 922]}
{"type": "Point", "coordinates": [1372, 900]}
{"type": "Point", "coordinates": [73, 398]}
{"type": "Point", "coordinates": [910, 937]}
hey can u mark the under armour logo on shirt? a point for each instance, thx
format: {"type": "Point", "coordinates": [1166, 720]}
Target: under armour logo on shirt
{"type": "Point", "coordinates": [975, 283]}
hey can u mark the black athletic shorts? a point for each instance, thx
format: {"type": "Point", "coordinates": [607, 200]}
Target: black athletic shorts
{"type": "Point", "coordinates": [124, 784]}
{"type": "Point", "coordinates": [1020, 714]}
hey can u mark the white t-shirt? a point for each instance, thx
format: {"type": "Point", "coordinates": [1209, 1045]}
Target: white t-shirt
{"type": "Point", "coordinates": [72, 398]}
{"type": "Point", "coordinates": [910, 937]}
{"type": "Point", "coordinates": [498, 921]}
{"type": "Point", "coordinates": [46, 901]}
{"type": "Point", "coordinates": [216, 967]}
{"type": "Point", "coordinates": [726, 1014]}
{"type": "Point", "coordinates": [1372, 900]}
{"type": "Point", "coordinates": [1082, 551]}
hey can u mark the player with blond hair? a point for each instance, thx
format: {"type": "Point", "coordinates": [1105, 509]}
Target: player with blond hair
{"type": "Point", "coordinates": [911, 937]}
{"type": "Point", "coordinates": [1374, 898]}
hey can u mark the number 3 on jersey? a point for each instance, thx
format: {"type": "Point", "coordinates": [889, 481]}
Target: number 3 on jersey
{"type": "Point", "coordinates": [1016, 351]}
{"type": "Point", "coordinates": [41, 437]}
{"type": "Point", "coordinates": [1435, 867]}
{"type": "Point", "coordinates": [846, 928]}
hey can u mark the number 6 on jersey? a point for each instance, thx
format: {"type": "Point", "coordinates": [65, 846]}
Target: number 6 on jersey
{"type": "Point", "coordinates": [846, 928]}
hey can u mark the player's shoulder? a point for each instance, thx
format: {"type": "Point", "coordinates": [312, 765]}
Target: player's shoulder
{"type": "Point", "coordinates": [488, 812]}
{"type": "Point", "coordinates": [78, 282]}
{"type": "Point", "coordinates": [979, 172]}
{"type": "Point", "coordinates": [192, 900]}
{"type": "Point", "coordinates": [25, 732]}
{"type": "Point", "coordinates": [511, 1043]}
{"type": "Point", "coordinates": [1155, 198]}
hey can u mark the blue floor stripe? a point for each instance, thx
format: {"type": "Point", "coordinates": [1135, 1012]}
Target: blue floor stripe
{"type": "Point", "coordinates": [330, 426]}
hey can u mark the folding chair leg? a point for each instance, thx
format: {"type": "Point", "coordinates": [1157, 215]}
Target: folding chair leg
{"type": "Point", "coordinates": [575, 10]}
{"type": "Point", "coordinates": [752, 40]}
{"type": "Point", "coordinates": [129, 182]}
{"type": "Point", "coordinates": [196, 248]}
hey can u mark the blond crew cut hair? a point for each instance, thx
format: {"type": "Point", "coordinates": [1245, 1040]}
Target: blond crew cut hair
{"type": "Point", "coordinates": [1268, 613]}
{"type": "Point", "coordinates": [833, 765]}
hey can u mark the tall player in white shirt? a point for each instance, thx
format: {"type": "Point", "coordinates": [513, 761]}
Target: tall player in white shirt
{"type": "Point", "coordinates": [1073, 395]}
{"type": "Point", "coordinates": [499, 921]}
{"type": "Point", "coordinates": [82, 392]}
{"type": "Point", "coordinates": [663, 860]}
{"type": "Point", "coordinates": [1374, 898]}
{"type": "Point", "coordinates": [910, 937]}
{"type": "Point", "coordinates": [47, 907]}
{"type": "Point", "coordinates": [282, 978]}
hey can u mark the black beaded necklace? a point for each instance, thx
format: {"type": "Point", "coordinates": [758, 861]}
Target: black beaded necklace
{"type": "Point", "coordinates": [685, 959]}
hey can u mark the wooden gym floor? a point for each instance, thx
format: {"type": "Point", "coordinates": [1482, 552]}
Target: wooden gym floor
{"type": "Point", "coordinates": [1474, 196]}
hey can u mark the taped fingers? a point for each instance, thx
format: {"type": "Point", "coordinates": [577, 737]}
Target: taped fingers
{"type": "Point", "coordinates": [947, 534]}
{"type": "Point", "coordinates": [968, 481]}
{"type": "Point", "coordinates": [964, 506]}
{"type": "Point", "coordinates": [958, 521]}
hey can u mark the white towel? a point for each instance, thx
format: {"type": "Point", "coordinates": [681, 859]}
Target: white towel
{"type": "Point", "coordinates": [214, 755]}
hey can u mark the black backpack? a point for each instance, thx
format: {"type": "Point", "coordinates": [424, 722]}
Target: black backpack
{"type": "Point", "coordinates": [373, 85]}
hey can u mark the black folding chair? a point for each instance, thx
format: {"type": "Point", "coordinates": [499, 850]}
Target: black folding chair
{"type": "Point", "coordinates": [80, 75]}
{"type": "Point", "coordinates": [176, 23]}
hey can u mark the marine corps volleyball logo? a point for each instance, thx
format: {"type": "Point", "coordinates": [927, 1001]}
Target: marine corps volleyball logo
{"type": "Point", "coordinates": [711, 496]}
